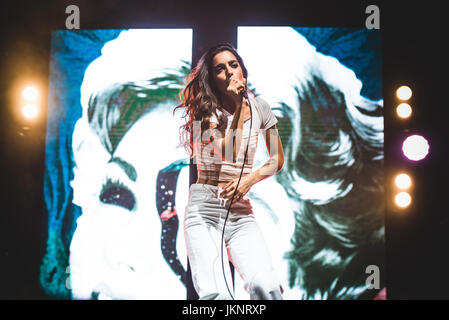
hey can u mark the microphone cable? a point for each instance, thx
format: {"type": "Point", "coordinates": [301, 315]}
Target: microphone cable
{"type": "Point", "coordinates": [245, 95]}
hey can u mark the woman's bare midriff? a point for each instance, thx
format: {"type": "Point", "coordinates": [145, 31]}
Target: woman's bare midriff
{"type": "Point", "coordinates": [212, 182]}
{"type": "Point", "coordinates": [215, 182]}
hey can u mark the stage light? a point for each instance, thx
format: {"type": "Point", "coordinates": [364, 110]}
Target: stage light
{"type": "Point", "coordinates": [404, 110]}
{"type": "Point", "coordinates": [415, 147]}
{"type": "Point", "coordinates": [30, 93]}
{"type": "Point", "coordinates": [403, 199]}
{"type": "Point", "coordinates": [404, 93]}
{"type": "Point", "coordinates": [403, 181]}
{"type": "Point", "coordinates": [29, 111]}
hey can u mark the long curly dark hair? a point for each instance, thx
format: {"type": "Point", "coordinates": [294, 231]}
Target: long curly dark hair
{"type": "Point", "coordinates": [200, 97]}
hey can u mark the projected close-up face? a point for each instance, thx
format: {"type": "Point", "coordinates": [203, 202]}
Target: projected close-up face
{"type": "Point", "coordinates": [331, 122]}
{"type": "Point", "coordinates": [116, 248]}
{"type": "Point", "coordinates": [120, 145]}
{"type": "Point", "coordinates": [118, 180]}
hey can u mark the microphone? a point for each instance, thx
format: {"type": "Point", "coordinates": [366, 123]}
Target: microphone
{"type": "Point", "coordinates": [243, 92]}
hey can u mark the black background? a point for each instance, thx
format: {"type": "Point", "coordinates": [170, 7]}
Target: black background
{"type": "Point", "coordinates": [413, 48]}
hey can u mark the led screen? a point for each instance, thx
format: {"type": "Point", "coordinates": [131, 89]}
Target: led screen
{"type": "Point", "coordinates": [325, 220]}
{"type": "Point", "coordinates": [111, 143]}
{"type": "Point", "coordinates": [116, 180]}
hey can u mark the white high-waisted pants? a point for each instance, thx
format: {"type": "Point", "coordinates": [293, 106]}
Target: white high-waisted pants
{"type": "Point", "coordinates": [246, 248]}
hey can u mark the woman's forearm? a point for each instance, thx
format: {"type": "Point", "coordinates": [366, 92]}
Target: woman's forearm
{"type": "Point", "coordinates": [271, 167]}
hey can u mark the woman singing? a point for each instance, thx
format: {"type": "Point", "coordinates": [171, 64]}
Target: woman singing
{"type": "Point", "coordinates": [219, 120]}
